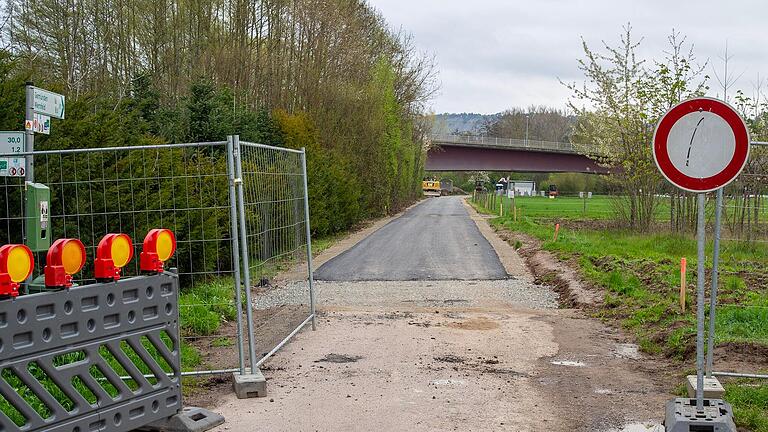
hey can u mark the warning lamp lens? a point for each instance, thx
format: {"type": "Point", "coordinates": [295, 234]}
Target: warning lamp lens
{"type": "Point", "coordinates": [121, 250]}
{"type": "Point", "coordinates": [73, 257]}
{"type": "Point", "coordinates": [159, 247]}
{"type": "Point", "coordinates": [166, 245]}
{"type": "Point", "coordinates": [20, 263]}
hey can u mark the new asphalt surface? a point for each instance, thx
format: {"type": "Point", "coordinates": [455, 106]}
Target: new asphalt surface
{"type": "Point", "coordinates": [435, 240]}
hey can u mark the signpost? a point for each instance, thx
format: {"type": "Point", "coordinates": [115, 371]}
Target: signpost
{"type": "Point", "coordinates": [701, 145]}
{"type": "Point", "coordinates": [41, 106]}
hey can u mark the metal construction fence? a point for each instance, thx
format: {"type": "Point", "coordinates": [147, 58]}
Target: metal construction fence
{"type": "Point", "coordinates": [241, 217]}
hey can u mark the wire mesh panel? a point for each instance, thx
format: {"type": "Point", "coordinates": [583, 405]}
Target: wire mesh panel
{"type": "Point", "coordinates": [273, 183]}
{"type": "Point", "coordinates": [189, 189]}
{"type": "Point", "coordinates": [181, 187]}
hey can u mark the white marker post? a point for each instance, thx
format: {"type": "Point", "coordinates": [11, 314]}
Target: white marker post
{"type": "Point", "coordinates": [701, 145]}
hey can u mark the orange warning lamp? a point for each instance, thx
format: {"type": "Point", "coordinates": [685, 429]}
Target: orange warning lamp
{"type": "Point", "coordinates": [159, 247]}
{"type": "Point", "coordinates": [65, 258]}
{"type": "Point", "coordinates": [16, 264]}
{"type": "Point", "coordinates": [112, 254]}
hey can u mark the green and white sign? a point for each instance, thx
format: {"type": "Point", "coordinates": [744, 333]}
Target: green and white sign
{"type": "Point", "coordinates": [10, 143]}
{"type": "Point", "coordinates": [48, 103]}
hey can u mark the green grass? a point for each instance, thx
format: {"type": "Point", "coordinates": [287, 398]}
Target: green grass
{"type": "Point", "coordinates": [599, 207]}
{"type": "Point", "coordinates": [204, 306]}
{"type": "Point", "coordinates": [319, 245]}
{"type": "Point", "coordinates": [750, 404]}
{"type": "Point", "coordinates": [640, 274]}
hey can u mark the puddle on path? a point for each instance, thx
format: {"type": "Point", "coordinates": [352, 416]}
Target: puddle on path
{"type": "Point", "coordinates": [571, 363]}
{"type": "Point", "coordinates": [628, 351]}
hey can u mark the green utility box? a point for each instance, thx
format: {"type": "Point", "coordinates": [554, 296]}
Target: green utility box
{"type": "Point", "coordinates": [38, 225]}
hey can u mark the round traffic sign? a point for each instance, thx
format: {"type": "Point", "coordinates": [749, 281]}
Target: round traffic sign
{"type": "Point", "coordinates": [701, 144]}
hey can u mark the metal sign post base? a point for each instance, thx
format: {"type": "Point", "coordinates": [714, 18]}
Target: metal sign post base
{"type": "Point", "coordinates": [190, 419]}
{"type": "Point", "coordinates": [683, 416]}
{"type": "Point", "coordinates": [712, 387]}
{"type": "Point", "coordinates": [250, 385]}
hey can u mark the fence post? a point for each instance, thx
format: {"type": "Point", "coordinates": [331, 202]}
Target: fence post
{"type": "Point", "coordinates": [235, 250]}
{"type": "Point", "coordinates": [713, 294]}
{"type": "Point", "coordinates": [700, 227]}
{"type": "Point", "coordinates": [29, 136]}
{"type": "Point", "coordinates": [309, 239]}
{"type": "Point", "coordinates": [244, 253]}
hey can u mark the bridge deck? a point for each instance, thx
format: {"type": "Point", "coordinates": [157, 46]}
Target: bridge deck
{"type": "Point", "coordinates": [504, 143]}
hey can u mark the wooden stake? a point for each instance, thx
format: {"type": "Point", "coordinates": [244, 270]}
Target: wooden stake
{"type": "Point", "coordinates": [557, 230]}
{"type": "Point", "coordinates": [683, 266]}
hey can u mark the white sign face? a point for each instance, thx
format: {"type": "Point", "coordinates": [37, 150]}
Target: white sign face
{"type": "Point", "coordinates": [10, 143]}
{"type": "Point", "coordinates": [701, 144]}
{"type": "Point", "coordinates": [48, 103]}
{"type": "Point", "coordinates": [12, 167]}
{"type": "Point", "coordinates": [44, 214]}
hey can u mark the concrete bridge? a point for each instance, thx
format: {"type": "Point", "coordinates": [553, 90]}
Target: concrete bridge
{"type": "Point", "coordinates": [474, 153]}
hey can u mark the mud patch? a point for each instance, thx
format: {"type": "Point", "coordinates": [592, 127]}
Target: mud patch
{"type": "Point", "coordinates": [480, 365]}
{"type": "Point", "coordinates": [420, 324]}
{"type": "Point", "coordinates": [339, 358]}
{"type": "Point", "coordinates": [640, 427]}
{"type": "Point", "coordinates": [474, 324]}
{"type": "Point", "coordinates": [450, 359]}
{"type": "Point", "coordinates": [396, 315]}
{"type": "Point", "coordinates": [550, 271]}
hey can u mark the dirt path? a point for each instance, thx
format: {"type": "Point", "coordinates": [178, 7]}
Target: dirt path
{"type": "Point", "coordinates": [452, 355]}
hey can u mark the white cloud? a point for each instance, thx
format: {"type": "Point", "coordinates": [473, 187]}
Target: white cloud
{"type": "Point", "coordinates": [498, 54]}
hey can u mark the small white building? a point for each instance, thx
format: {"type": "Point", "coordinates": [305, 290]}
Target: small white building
{"type": "Point", "coordinates": [522, 187]}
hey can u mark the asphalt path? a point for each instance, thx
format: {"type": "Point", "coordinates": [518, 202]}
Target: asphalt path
{"type": "Point", "coordinates": [435, 240]}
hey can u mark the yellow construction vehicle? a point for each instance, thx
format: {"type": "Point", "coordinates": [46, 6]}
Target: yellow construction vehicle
{"type": "Point", "coordinates": [431, 187]}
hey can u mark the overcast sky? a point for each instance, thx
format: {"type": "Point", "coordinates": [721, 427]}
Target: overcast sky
{"type": "Point", "coordinates": [497, 54]}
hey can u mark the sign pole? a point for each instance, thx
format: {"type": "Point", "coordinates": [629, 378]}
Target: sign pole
{"type": "Point", "coordinates": [713, 294]}
{"type": "Point", "coordinates": [701, 145]}
{"type": "Point", "coordinates": [30, 135]}
{"type": "Point", "coordinates": [700, 306]}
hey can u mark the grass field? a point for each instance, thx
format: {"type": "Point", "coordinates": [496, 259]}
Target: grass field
{"type": "Point", "coordinates": [599, 207]}
{"type": "Point", "coordinates": [640, 274]}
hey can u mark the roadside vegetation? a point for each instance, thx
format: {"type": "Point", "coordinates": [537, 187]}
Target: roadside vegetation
{"type": "Point", "coordinates": [639, 273]}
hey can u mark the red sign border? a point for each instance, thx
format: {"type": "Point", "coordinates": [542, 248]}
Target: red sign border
{"type": "Point", "coordinates": [729, 173]}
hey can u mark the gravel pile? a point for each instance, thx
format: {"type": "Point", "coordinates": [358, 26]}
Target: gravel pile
{"type": "Point", "coordinates": [413, 293]}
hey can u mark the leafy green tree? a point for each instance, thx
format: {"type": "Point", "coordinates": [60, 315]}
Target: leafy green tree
{"type": "Point", "coordinates": [618, 107]}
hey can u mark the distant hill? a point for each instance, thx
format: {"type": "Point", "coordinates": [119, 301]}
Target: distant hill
{"type": "Point", "coordinates": [448, 123]}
